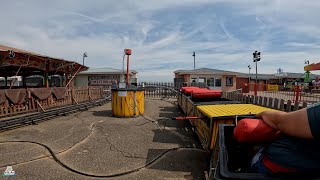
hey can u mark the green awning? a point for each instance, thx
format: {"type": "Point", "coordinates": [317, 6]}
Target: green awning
{"type": "Point", "coordinates": [307, 77]}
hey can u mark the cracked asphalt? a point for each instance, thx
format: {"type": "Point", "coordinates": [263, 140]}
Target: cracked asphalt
{"type": "Point", "coordinates": [93, 145]}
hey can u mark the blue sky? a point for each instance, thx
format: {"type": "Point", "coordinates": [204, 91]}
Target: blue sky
{"type": "Point", "coordinates": [163, 34]}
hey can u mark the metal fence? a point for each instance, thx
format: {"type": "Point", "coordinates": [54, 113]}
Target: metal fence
{"type": "Point", "coordinates": [164, 89]}
{"type": "Point", "coordinates": [158, 89]}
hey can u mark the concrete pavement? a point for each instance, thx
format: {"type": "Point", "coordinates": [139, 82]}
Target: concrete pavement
{"type": "Point", "coordinates": [95, 143]}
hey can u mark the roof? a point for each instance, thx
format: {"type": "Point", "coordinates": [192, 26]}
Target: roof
{"type": "Point", "coordinates": [28, 63]}
{"type": "Point", "coordinates": [312, 67]}
{"type": "Point", "coordinates": [260, 76]}
{"type": "Point", "coordinates": [105, 71]}
{"type": "Point", "coordinates": [8, 48]}
{"type": "Point", "coordinates": [205, 71]}
{"type": "Point", "coordinates": [231, 110]}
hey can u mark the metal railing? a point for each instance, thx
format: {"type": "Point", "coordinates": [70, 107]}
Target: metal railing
{"type": "Point", "coordinates": [158, 89]}
{"type": "Point", "coordinates": [164, 89]}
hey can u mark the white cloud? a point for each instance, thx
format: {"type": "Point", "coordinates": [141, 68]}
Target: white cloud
{"type": "Point", "coordinates": [164, 33]}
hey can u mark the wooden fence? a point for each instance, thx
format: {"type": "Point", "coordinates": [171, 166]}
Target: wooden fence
{"type": "Point", "coordinates": [301, 93]}
{"type": "Point", "coordinates": [270, 102]}
{"type": "Point", "coordinates": [166, 89]}
{"type": "Point", "coordinates": [74, 96]}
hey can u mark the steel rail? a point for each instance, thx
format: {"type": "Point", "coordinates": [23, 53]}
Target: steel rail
{"type": "Point", "coordinates": [49, 114]}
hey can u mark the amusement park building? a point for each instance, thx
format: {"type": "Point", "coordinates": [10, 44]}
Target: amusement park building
{"type": "Point", "coordinates": [230, 80]}
{"type": "Point", "coordinates": [103, 77]}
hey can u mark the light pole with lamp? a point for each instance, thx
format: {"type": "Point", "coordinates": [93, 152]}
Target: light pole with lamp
{"type": "Point", "coordinates": [194, 60]}
{"type": "Point", "coordinates": [84, 56]}
{"type": "Point", "coordinates": [256, 58]}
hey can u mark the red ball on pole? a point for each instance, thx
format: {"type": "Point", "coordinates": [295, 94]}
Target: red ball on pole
{"type": "Point", "coordinates": [127, 52]}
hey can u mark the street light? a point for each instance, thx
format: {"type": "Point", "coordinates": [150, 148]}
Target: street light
{"type": "Point", "coordinates": [256, 58]}
{"type": "Point", "coordinates": [194, 60]}
{"type": "Point", "coordinates": [84, 55]}
{"type": "Point", "coordinates": [249, 73]}
{"type": "Point", "coordinates": [306, 62]}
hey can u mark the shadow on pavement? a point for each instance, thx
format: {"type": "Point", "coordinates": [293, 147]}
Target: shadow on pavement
{"type": "Point", "coordinates": [106, 113]}
{"type": "Point", "coordinates": [178, 133]}
{"type": "Point", "coordinates": [183, 160]}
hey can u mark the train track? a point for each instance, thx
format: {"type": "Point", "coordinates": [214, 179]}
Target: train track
{"type": "Point", "coordinates": [34, 118]}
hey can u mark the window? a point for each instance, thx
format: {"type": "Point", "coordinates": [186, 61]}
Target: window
{"type": "Point", "coordinates": [210, 82]}
{"type": "Point", "coordinates": [218, 82]}
{"type": "Point", "coordinates": [229, 81]}
{"type": "Point", "coordinates": [193, 80]}
{"type": "Point", "coordinates": [202, 80]}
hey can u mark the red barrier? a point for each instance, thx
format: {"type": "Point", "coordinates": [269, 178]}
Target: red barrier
{"type": "Point", "coordinates": [183, 89]}
{"type": "Point", "coordinates": [205, 94]}
{"type": "Point", "coordinates": [188, 91]}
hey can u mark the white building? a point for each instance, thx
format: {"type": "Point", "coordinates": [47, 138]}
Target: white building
{"type": "Point", "coordinates": [104, 77]}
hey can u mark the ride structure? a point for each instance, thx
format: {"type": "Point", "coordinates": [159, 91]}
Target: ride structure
{"type": "Point", "coordinates": [127, 100]}
{"type": "Point", "coordinates": [213, 121]}
{"type": "Point", "coordinates": [310, 67]}
{"type": "Point", "coordinates": [32, 82]}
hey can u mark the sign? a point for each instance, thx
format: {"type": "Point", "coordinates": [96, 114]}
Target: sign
{"type": "Point", "coordinates": [122, 85]}
{"type": "Point", "coordinates": [9, 171]}
{"type": "Point", "coordinates": [272, 87]}
{"type": "Point", "coordinates": [102, 82]}
{"type": "Point", "coordinates": [122, 93]}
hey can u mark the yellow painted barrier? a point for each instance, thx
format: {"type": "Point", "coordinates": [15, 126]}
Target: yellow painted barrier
{"type": "Point", "coordinates": [207, 128]}
{"type": "Point", "coordinates": [211, 116]}
{"type": "Point", "coordinates": [127, 103]}
{"type": "Point", "coordinates": [227, 110]}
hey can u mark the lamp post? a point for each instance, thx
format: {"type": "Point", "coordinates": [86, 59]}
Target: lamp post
{"type": "Point", "coordinates": [84, 56]}
{"type": "Point", "coordinates": [194, 60]}
{"type": "Point", "coordinates": [249, 73]}
{"type": "Point", "coordinates": [256, 58]}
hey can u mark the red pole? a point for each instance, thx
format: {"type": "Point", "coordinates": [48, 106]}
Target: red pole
{"type": "Point", "coordinates": [127, 69]}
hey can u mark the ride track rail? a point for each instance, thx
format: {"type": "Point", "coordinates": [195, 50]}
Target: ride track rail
{"type": "Point", "coordinates": [29, 119]}
{"type": "Point", "coordinates": [16, 122]}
